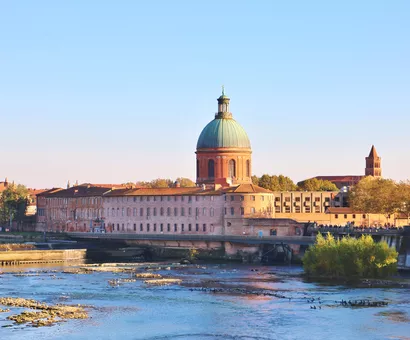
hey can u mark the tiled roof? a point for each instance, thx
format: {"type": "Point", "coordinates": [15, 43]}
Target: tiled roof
{"type": "Point", "coordinates": [80, 191]}
{"type": "Point", "coordinates": [49, 191]}
{"type": "Point", "coordinates": [248, 188]}
{"type": "Point", "coordinates": [343, 178]}
{"type": "Point", "coordinates": [373, 153]}
{"type": "Point", "coordinates": [163, 192]}
{"type": "Point", "coordinates": [341, 210]}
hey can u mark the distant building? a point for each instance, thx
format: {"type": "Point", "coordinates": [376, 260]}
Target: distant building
{"type": "Point", "coordinates": [373, 168]}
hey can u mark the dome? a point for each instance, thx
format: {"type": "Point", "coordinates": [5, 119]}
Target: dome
{"type": "Point", "coordinates": [223, 133]}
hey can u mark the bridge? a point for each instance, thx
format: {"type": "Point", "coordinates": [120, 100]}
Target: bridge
{"type": "Point", "coordinates": [245, 239]}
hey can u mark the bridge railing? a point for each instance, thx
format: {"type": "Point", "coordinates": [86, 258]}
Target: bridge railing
{"type": "Point", "coordinates": [208, 238]}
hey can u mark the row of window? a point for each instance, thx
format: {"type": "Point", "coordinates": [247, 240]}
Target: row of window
{"type": "Point", "coordinates": [296, 209]}
{"type": "Point", "coordinates": [346, 216]}
{"type": "Point", "coordinates": [157, 198]}
{"type": "Point", "coordinates": [155, 211]}
{"type": "Point", "coordinates": [297, 199]}
{"type": "Point", "coordinates": [161, 227]}
{"type": "Point", "coordinates": [231, 168]}
{"type": "Point", "coordinates": [242, 210]}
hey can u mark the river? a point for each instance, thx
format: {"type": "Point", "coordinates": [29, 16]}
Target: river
{"type": "Point", "coordinates": [213, 301]}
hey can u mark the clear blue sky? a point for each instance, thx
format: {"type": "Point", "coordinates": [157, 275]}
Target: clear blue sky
{"type": "Point", "coordinates": [117, 91]}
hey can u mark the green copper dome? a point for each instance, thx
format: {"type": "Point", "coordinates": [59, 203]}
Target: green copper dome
{"type": "Point", "coordinates": [223, 133]}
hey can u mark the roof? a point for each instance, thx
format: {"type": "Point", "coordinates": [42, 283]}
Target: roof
{"type": "Point", "coordinates": [373, 153]}
{"type": "Point", "coordinates": [48, 191]}
{"type": "Point", "coordinates": [248, 188]}
{"type": "Point", "coordinates": [163, 192]}
{"type": "Point", "coordinates": [223, 133]}
{"type": "Point", "coordinates": [79, 191]}
{"type": "Point", "coordinates": [341, 210]}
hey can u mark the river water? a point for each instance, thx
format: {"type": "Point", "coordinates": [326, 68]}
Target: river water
{"type": "Point", "coordinates": [213, 302]}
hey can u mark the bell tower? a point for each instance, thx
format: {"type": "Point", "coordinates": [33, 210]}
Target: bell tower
{"type": "Point", "coordinates": [373, 164]}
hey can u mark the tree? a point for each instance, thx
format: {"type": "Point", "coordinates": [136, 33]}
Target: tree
{"type": "Point", "coordinates": [403, 189]}
{"type": "Point", "coordinates": [375, 196]}
{"type": "Point", "coordinates": [12, 200]}
{"type": "Point", "coordinates": [274, 183]}
{"type": "Point", "coordinates": [314, 184]}
{"type": "Point", "coordinates": [185, 182]}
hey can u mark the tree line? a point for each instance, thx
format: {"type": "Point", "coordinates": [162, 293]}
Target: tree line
{"type": "Point", "coordinates": [284, 183]}
{"type": "Point", "coordinates": [13, 202]}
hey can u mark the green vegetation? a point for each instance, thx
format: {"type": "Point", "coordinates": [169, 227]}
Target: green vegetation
{"type": "Point", "coordinates": [349, 258]}
{"type": "Point", "coordinates": [13, 203]}
{"type": "Point", "coordinates": [167, 183]}
{"type": "Point", "coordinates": [274, 183]}
{"type": "Point", "coordinates": [314, 184]}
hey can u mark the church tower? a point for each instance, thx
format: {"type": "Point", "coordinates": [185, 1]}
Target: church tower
{"type": "Point", "coordinates": [223, 151]}
{"type": "Point", "coordinates": [373, 164]}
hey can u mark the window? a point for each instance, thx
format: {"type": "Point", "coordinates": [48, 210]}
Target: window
{"type": "Point", "coordinates": [197, 168]}
{"type": "Point", "coordinates": [168, 198]}
{"type": "Point", "coordinates": [226, 211]}
{"type": "Point", "coordinates": [175, 227]}
{"type": "Point", "coordinates": [277, 209]}
{"type": "Point", "coordinates": [123, 212]}
{"type": "Point", "coordinates": [161, 211]}
{"type": "Point", "coordinates": [182, 211]}
{"type": "Point", "coordinates": [155, 227]}
{"type": "Point", "coordinates": [141, 227]}
{"type": "Point", "coordinates": [232, 168]}
{"type": "Point", "coordinates": [175, 198]}
{"type": "Point", "coordinates": [307, 199]}
{"type": "Point", "coordinates": [345, 216]}
{"type": "Point", "coordinates": [364, 216]}
{"type": "Point", "coordinates": [189, 211]}
{"type": "Point", "coordinates": [248, 168]}
{"type": "Point", "coordinates": [134, 212]}
{"type": "Point", "coordinates": [211, 168]}
{"type": "Point", "coordinates": [211, 212]}
{"type": "Point", "coordinates": [307, 209]}
{"type": "Point", "coordinates": [182, 227]}
{"type": "Point", "coordinates": [168, 211]}
{"type": "Point", "coordinates": [162, 198]}
{"type": "Point", "coordinates": [242, 211]}
{"type": "Point", "coordinates": [287, 199]}
{"type": "Point", "coordinates": [253, 198]}
{"type": "Point", "coordinates": [262, 198]}
{"type": "Point", "coordinates": [141, 211]}
{"type": "Point", "coordinates": [148, 211]}
{"type": "Point", "coordinates": [232, 198]}
{"type": "Point", "coordinates": [182, 198]}
{"type": "Point", "coordinates": [297, 209]}
{"type": "Point", "coordinates": [197, 227]}
{"type": "Point", "coordinates": [287, 209]}
{"type": "Point", "coordinates": [252, 210]}
{"type": "Point", "coordinates": [242, 197]}
{"type": "Point", "coordinates": [196, 212]}
{"type": "Point", "coordinates": [317, 209]}
{"type": "Point", "coordinates": [204, 227]}
{"type": "Point", "coordinates": [317, 199]}
{"type": "Point", "coordinates": [148, 198]}
{"type": "Point", "coordinates": [155, 211]}
{"type": "Point", "coordinates": [118, 226]}
{"type": "Point", "coordinates": [161, 227]}
{"type": "Point", "coordinates": [147, 227]}
{"type": "Point", "coordinates": [175, 211]}
{"type": "Point", "coordinates": [203, 211]}
{"type": "Point", "coordinates": [232, 211]}
{"type": "Point", "coordinates": [277, 199]}
{"type": "Point", "coordinates": [168, 227]}
{"type": "Point", "coordinates": [336, 216]}
{"type": "Point", "coordinates": [135, 227]}
{"type": "Point", "coordinates": [327, 199]}
{"type": "Point", "coordinates": [354, 216]}
{"type": "Point", "coordinates": [189, 227]}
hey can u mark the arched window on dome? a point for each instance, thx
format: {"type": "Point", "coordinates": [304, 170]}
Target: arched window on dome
{"type": "Point", "coordinates": [211, 168]}
{"type": "Point", "coordinates": [248, 168]}
{"type": "Point", "coordinates": [232, 168]}
{"type": "Point", "coordinates": [197, 168]}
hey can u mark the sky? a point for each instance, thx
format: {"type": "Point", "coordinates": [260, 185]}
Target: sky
{"type": "Point", "coordinates": [119, 91]}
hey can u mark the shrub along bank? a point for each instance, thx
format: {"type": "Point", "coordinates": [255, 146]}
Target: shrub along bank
{"type": "Point", "coordinates": [349, 258]}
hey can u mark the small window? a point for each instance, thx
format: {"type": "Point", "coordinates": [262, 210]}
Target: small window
{"type": "Point", "coordinates": [336, 216]}
{"type": "Point", "coordinates": [307, 199]}
{"type": "Point", "coordinates": [253, 198]}
{"type": "Point", "coordinates": [252, 210]}
{"type": "Point", "coordinates": [182, 211]}
{"type": "Point", "coordinates": [189, 227]}
{"type": "Point", "coordinates": [155, 211]}
{"type": "Point", "coordinates": [317, 199]}
{"type": "Point", "coordinates": [168, 227]}
{"type": "Point", "coordinates": [175, 211]}
{"type": "Point", "coordinates": [232, 198]}
{"type": "Point", "coordinates": [297, 199]}
{"type": "Point", "coordinates": [141, 227]}
{"type": "Point", "coordinates": [148, 227]}
{"type": "Point", "coordinates": [287, 199]}
{"type": "Point", "coordinates": [155, 227]}
{"type": "Point", "coordinates": [364, 216]}
{"type": "Point", "coordinates": [197, 227]}
{"type": "Point", "coordinates": [226, 211]}
{"type": "Point", "coordinates": [242, 211]}
{"type": "Point", "coordinates": [141, 211]}
{"type": "Point", "coordinates": [232, 211]}
{"type": "Point", "coordinates": [161, 227]}
{"type": "Point", "coordinates": [182, 227]}
{"type": "Point", "coordinates": [148, 211]}
{"type": "Point", "coordinates": [307, 210]}
{"type": "Point", "coordinates": [135, 227]}
{"type": "Point", "coordinates": [204, 227]}
{"type": "Point", "coordinates": [277, 199]}
{"type": "Point", "coordinates": [175, 227]}
{"type": "Point", "coordinates": [345, 216]}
